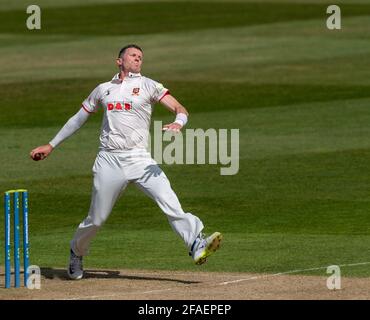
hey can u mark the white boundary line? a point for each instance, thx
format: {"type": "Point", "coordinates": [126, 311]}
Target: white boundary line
{"type": "Point", "coordinates": [289, 272]}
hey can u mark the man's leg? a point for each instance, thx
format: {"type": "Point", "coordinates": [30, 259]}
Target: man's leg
{"type": "Point", "coordinates": [155, 184]}
{"type": "Point", "coordinates": [109, 181]}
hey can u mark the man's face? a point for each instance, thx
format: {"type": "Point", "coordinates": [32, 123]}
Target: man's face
{"type": "Point", "coordinates": [131, 60]}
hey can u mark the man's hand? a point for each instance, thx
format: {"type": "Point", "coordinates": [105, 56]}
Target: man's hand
{"type": "Point", "coordinates": [40, 153]}
{"type": "Point", "coordinates": [175, 127]}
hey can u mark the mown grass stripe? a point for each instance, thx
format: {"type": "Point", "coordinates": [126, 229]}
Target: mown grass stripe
{"type": "Point", "coordinates": [48, 103]}
{"type": "Point", "coordinates": [159, 17]}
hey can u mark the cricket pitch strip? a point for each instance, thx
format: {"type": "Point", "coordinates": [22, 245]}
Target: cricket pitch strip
{"type": "Point", "coordinates": [183, 285]}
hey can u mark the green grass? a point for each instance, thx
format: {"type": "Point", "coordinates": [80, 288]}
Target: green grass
{"type": "Point", "coordinates": [122, 19]}
{"type": "Point", "coordinates": [69, 93]}
{"type": "Point", "coordinates": [298, 93]}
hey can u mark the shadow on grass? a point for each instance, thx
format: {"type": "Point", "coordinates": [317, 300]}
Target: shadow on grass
{"type": "Point", "coordinates": [51, 273]}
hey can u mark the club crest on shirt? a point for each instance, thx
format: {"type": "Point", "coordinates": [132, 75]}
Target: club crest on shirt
{"type": "Point", "coordinates": [135, 91]}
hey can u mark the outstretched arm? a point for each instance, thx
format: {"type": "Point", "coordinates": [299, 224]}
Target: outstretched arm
{"type": "Point", "coordinates": [71, 126]}
{"type": "Point", "coordinates": [181, 113]}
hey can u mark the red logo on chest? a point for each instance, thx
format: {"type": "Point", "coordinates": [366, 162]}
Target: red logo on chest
{"type": "Point", "coordinates": [119, 106]}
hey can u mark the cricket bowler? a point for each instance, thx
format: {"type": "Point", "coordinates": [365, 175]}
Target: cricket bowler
{"type": "Point", "coordinates": [127, 101]}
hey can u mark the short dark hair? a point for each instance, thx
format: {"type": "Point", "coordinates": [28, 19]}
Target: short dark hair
{"type": "Point", "coordinates": [122, 51]}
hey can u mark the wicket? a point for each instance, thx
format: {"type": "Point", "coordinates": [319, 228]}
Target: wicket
{"type": "Point", "coordinates": [16, 228]}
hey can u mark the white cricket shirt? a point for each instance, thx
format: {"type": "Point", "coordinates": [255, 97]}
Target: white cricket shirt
{"type": "Point", "coordinates": [128, 106]}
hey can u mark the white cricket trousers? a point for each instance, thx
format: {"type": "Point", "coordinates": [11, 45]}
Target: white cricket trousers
{"type": "Point", "coordinates": [112, 173]}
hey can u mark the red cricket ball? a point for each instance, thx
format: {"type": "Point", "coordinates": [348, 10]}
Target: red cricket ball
{"type": "Point", "coordinates": [38, 156]}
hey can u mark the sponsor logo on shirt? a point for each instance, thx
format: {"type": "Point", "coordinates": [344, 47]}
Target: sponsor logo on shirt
{"type": "Point", "coordinates": [113, 106]}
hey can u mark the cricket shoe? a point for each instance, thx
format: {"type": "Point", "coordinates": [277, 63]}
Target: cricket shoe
{"type": "Point", "coordinates": [75, 269]}
{"type": "Point", "coordinates": [203, 247]}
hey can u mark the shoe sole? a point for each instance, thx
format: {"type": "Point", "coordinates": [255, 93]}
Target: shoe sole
{"type": "Point", "coordinates": [211, 248]}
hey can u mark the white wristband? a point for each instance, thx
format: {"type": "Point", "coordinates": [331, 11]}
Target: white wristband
{"type": "Point", "coordinates": [181, 119]}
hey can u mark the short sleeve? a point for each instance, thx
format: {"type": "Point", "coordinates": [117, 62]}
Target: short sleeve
{"type": "Point", "coordinates": [92, 102]}
{"type": "Point", "coordinates": [156, 90]}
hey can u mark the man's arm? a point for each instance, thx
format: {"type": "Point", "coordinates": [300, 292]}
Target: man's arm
{"type": "Point", "coordinates": [176, 107]}
{"type": "Point", "coordinates": [71, 126]}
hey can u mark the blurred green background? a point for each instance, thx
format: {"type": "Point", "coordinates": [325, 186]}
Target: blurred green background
{"type": "Point", "coordinates": [298, 92]}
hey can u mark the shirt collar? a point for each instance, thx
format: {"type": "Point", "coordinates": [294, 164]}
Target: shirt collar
{"type": "Point", "coordinates": [116, 77]}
